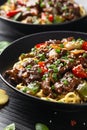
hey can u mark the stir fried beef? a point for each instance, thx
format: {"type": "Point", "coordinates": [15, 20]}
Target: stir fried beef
{"type": "Point", "coordinates": [53, 65]}
{"type": "Point", "coordinates": [42, 11]}
{"type": "Point", "coordinates": [67, 84]}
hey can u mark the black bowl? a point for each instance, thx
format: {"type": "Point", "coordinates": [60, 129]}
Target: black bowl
{"type": "Point", "coordinates": [18, 29]}
{"type": "Point", "coordinates": [10, 55]}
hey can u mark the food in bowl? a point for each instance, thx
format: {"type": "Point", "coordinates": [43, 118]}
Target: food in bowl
{"type": "Point", "coordinates": [42, 11]}
{"type": "Point", "coordinates": [54, 70]}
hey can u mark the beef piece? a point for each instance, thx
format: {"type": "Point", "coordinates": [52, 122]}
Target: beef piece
{"type": "Point", "coordinates": [67, 84]}
{"type": "Point", "coordinates": [46, 86]}
{"type": "Point", "coordinates": [66, 68]}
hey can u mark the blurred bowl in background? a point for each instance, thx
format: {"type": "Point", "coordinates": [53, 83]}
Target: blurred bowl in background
{"type": "Point", "coordinates": [17, 29]}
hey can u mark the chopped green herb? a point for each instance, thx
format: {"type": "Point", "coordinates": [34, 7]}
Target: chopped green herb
{"type": "Point", "coordinates": [54, 76]}
{"type": "Point", "coordinates": [44, 77]}
{"type": "Point", "coordinates": [64, 7]}
{"type": "Point", "coordinates": [65, 57]}
{"type": "Point", "coordinates": [24, 89]}
{"type": "Point", "coordinates": [42, 57]}
{"type": "Point", "coordinates": [52, 66]}
{"type": "Point", "coordinates": [58, 50]}
{"type": "Point", "coordinates": [57, 62]}
{"type": "Point", "coordinates": [39, 70]}
{"type": "Point", "coordinates": [33, 87]}
{"type": "Point", "coordinates": [61, 64]}
{"type": "Point", "coordinates": [71, 60]}
{"type": "Point", "coordinates": [42, 5]}
{"type": "Point", "coordinates": [65, 82]}
{"type": "Point", "coordinates": [55, 70]}
{"type": "Point", "coordinates": [71, 75]}
{"type": "Point", "coordinates": [61, 45]}
{"type": "Point", "coordinates": [52, 87]}
{"type": "Point", "coordinates": [28, 67]}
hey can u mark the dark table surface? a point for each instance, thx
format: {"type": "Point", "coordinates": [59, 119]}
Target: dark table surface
{"type": "Point", "coordinates": [21, 112]}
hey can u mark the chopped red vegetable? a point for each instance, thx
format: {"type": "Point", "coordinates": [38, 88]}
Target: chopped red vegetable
{"type": "Point", "coordinates": [43, 67]}
{"type": "Point", "coordinates": [41, 63]}
{"type": "Point", "coordinates": [12, 13]}
{"type": "Point", "coordinates": [79, 71]}
{"type": "Point", "coordinates": [51, 18]}
{"type": "Point", "coordinates": [40, 45]}
{"type": "Point", "coordinates": [84, 45]}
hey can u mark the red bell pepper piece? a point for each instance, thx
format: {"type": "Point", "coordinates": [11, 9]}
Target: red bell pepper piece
{"type": "Point", "coordinates": [51, 18]}
{"type": "Point", "coordinates": [41, 63]}
{"type": "Point", "coordinates": [13, 12]}
{"type": "Point", "coordinates": [84, 45]}
{"type": "Point", "coordinates": [42, 67]}
{"type": "Point", "coordinates": [79, 71]}
{"type": "Point", "coordinates": [40, 45]}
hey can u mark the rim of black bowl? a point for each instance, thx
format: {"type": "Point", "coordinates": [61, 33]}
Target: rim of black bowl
{"type": "Point", "coordinates": [56, 24]}
{"type": "Point", "coordinates": [60, 106]}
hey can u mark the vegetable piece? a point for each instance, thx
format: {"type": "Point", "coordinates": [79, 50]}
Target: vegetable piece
{"type": "Point", "coordinates": [40, 45]}
{"type": "Point", "coordinates": [79, 71]}
{"type": "Point", "coordinates": [82, 90]}
{"type": "Point", "coordinates": [2, 91]}
{"type": "Point", "coordinates": [42, 4]}
{"type": "Point", "coordinates": [17, 16]}
{"type": "Point", "coordinates": [51, 18]}
{"type": "Point", "coordinates": [12, 13]}
{"type": "Point", "coordinates": [41, 63]}
{"type": "Point", "coordinates": [33, 88]}
{"type": "Point", "coordinates": [3, 99]}
{"type": "Point", "coordinates": [58, 19]}
{"type": "Point", "coordinates": [42, 67]}
{"type": "Point", "coordinates": [40, 126]}
{"type": "Point", "coordinates": [84, 45]}
{"type": "Point", "coordinates": [10, 127]}
{"type": "Point", "coordinates": [3, 45]}
{"type": "Point", "coordinates": [74, 44]}
{"type": "Point", "coordinates": [41, 56]}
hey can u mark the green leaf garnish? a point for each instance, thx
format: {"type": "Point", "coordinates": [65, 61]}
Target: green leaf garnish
{"type": "Point", "coordinates": [10, 127]}
{"type": "Point", "coordinates": [40, 126]}
{"type": "Point", "coordinates": [3, 45]}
